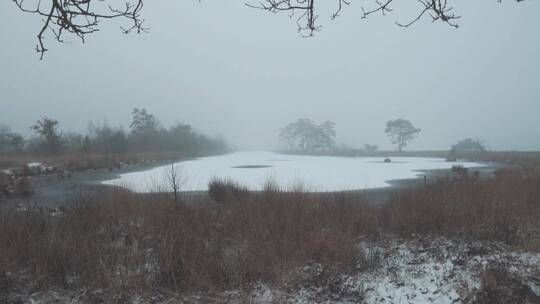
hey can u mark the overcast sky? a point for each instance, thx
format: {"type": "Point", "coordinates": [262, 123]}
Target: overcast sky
{"type": "Point", "coordinates": [242, 73]}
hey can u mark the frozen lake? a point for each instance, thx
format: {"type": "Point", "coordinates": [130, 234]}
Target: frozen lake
{"type": "Point", "coordinates": [314, 173]}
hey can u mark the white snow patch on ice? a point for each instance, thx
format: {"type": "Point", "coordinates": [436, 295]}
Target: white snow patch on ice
{"type": "Point", "coordinates": [6, 171]}
{"type": "Point", "coordinates": [34, 164]}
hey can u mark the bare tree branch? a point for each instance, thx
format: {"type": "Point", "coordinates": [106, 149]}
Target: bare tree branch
{"type": "Point", "coordinates": [79, 17]}
{"type": "Point", "coordinates": [306, 18]}
{"type": "Point", "coordinates": [304, 10]}
{"type": "Point", "coordinates": [439, 10]}
{"type": "Point", "coordinates": [82, 17]}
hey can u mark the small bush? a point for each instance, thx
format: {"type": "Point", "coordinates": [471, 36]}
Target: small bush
{"type": "Point", "coordinates": [460, 171]}
{"type": "Point", "coordinates": [498, 285]}
{"type": "Point", "coordinates": [226, 190]}
{"type": "Point", "coordinates": [27, 171]}
{"type": "Point", "coordinates": [4, 181]}
{"type": "Point", "coordinates": [23, 187]}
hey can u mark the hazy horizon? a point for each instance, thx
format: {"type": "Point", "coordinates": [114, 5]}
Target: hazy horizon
{"type": "Point", "coordinates": [242, 74]}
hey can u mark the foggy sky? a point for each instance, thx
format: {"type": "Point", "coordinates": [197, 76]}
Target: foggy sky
{"type": "Point", "coordinates": [242, 74]}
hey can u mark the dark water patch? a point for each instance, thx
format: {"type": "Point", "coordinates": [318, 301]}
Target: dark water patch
{"type": "Point", "coordinates": [388, 162]}
{"type": "Point", "coordinates": [251, 167]}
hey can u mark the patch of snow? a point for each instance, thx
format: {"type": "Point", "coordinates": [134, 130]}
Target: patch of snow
{"type": "Point", "coordinates": [21, 208]}
{"type": "Point", "coordinates": [34, 164]}
{"type": "Point", "coordinates": [6, 171]}
{"type": "Point", "coordinates": [263, 294]}
{"type": "Point", "coordinates": [434, 274]}
{"type": "Point", "coordinates": [437, 271]}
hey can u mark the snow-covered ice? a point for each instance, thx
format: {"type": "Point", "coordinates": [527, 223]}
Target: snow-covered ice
{"type": "Point", "coordinates": [34, 164]}
{"type": "Point", "coordinates": [313, 173]}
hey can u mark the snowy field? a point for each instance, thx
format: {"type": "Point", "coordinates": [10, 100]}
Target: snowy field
{"type": "Point", "coordinates": [311, 173]}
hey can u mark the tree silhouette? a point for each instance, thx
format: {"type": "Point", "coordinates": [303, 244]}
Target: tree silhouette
{"type": "Point", "coordinates": [47, 128]}
{"type": "Point", "coordinates": [305, 135]}
{"type": "Point", "coordinates": [401, 132]}
{"type": "Point", "coordinates": [469, 145]}
{"type": "Point", "coordinates": [10, 142]}
{"type": "Point", "coordinates": [144, 129]}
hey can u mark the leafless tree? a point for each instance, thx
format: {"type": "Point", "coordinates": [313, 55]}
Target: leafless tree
{"type": "Point", "coordinates": [175, 179]}
{"type": "Point", "coordinates": [80, 17]}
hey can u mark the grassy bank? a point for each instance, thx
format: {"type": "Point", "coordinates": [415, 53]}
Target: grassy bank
{"type": "Point", "coordinates": [124, 241]}
{"type": "Point", "coordinates": [520, 158]}
{"type": "Point", "coordinates": [79, 161]}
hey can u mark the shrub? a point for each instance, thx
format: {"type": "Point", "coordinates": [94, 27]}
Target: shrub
{"type": "Point", "coordinates": [4, 181]}
{"type": "Point", "coordinates": [460, 171]}
{"type": "Point", "coordinates": [226, 190]}
{"type": "Point", "coordinates": [23, 187]}
{"type": "Point", "coordinates": [498, 285]}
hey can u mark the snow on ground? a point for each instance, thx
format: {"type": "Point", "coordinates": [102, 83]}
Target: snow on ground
{"type": "Point", "coordinates": [438, 271]}
{"type": "Point", "coordinates": [412, 275]}
{"type": "Point", "coordinates": [314, 173]}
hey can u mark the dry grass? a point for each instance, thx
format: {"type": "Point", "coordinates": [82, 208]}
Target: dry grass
{"type": "Point", "coordinates": [124, 241]}
{"type": "Point", "coordinates": [518, 158]}
{"type": "Point", "coordinates": [83, 161]}
{"type": "Point", "coordinates": [505, 208]}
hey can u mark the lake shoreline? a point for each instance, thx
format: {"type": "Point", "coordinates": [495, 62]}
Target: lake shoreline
{"type": "Point", "coordinates": [51, 192]}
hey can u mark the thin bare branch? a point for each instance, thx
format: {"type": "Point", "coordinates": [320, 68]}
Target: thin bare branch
{"type": "Point", "coordinates": [82, 17]}
{"type": "Point", "coordinates": [306, 19]}
{"type": "Point", "coordinates": [437, 10]}
{"type": "Point", "coordinates": [79, 17]}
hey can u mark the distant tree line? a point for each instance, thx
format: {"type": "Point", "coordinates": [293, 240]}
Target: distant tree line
{"type": "Point", "coordinates": [469, 145]}
{"type": "Point", "coordinates": [304, 135]}
{"type": "Point", "coordinates": [468, 148]}
{"type": "Point", "coordinates": [145, 134]}
{"type": "Point", "coordinates": [10, 142]}
{"type": "Point", "coordinates": [307, 136]}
